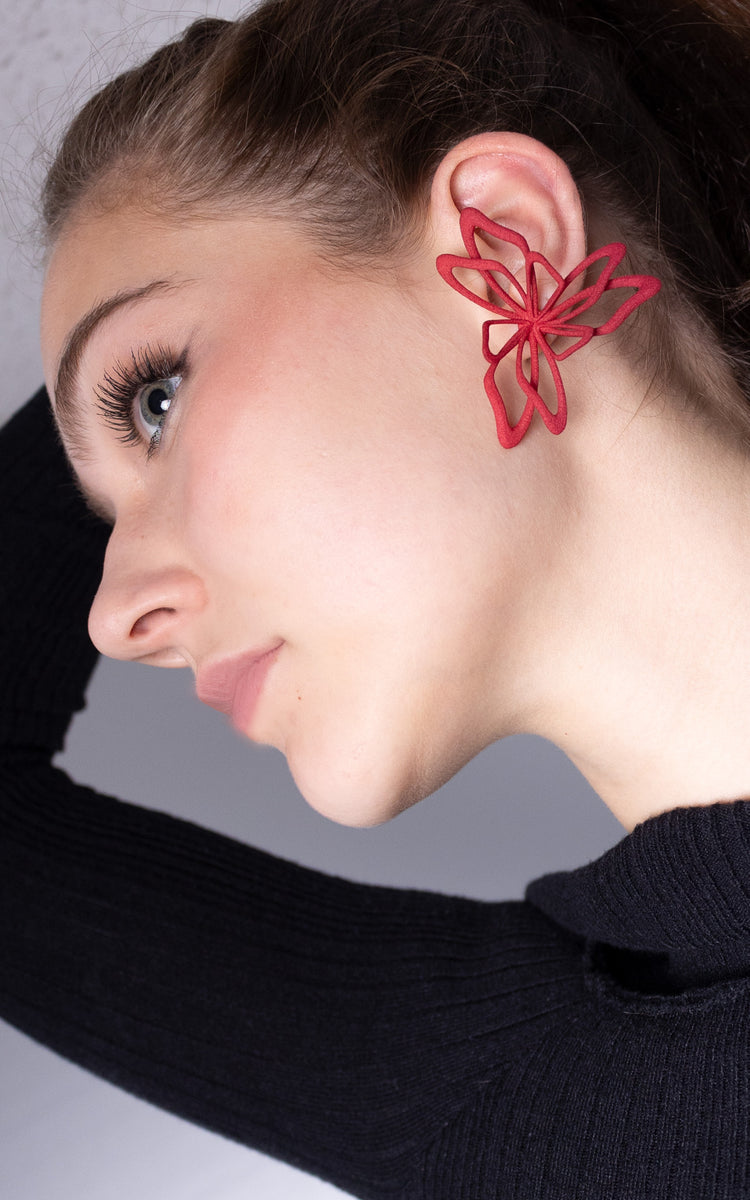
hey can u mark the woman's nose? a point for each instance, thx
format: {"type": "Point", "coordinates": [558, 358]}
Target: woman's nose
{"type": "Point", "coordinates": [144, 609]}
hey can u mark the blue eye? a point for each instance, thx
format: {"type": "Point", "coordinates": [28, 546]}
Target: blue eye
{"type": "Point", "coordinates": [135, 398]}
{"type": "Point", "coordinates": [153, 402]}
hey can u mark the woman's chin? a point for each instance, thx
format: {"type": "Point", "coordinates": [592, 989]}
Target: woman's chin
{"type": "Point", "coordinates": [363, 762]}
{"type": "Point", "coordinates": [354, 793]}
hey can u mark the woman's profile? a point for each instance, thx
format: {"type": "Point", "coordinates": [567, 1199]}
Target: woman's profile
{"type": "Point", "coordinates": [396, 364]}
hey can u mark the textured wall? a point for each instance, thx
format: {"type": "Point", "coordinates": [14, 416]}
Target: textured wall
{"type": "Point", "coordinates": [53, 51]}
{"type": "Point", "coordinates": [518, 810]}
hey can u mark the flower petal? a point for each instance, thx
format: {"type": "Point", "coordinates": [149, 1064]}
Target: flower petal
{"type": "Point", "coordinates": [488, 269]}
{"type": "Point", "coordinates": [582, 334]}
{"type": "Point", "coordinates": [555, 421]}
{"type": "Point", "coordinates": [494, 356]}
{"type": "Point", "coordinates": [508, 435]}
{"type": "Point", "coordinates": [572, 306]}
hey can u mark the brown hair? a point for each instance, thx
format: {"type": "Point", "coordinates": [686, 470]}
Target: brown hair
{"type": "Point", "coordinates": [338, 111]}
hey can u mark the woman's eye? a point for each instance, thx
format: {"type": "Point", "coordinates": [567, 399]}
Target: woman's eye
{"type": "Point", "coordinates": [153, 401]}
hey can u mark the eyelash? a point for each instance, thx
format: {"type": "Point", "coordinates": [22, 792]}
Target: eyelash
{"type": "Point", "coordinates": [117, 393]}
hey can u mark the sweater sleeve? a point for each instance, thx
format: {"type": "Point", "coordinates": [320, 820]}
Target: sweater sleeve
{"type": "Point", "coordinates": [334, 1025]}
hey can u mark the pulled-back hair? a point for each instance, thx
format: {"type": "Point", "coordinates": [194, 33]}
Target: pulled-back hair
{"type": "Point", "coordinates": [337, 112]}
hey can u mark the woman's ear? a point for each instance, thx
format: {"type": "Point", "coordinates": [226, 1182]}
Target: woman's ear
{"type": "Point", "coordinates": [516, 181]}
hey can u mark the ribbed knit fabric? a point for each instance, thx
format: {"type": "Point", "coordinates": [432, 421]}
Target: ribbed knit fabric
{"type": "Point", "coordinates": [588, 1042]}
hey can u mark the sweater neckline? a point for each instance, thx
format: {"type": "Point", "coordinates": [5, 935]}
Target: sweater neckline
{"type": "Point", "coordinates": [675, 891]}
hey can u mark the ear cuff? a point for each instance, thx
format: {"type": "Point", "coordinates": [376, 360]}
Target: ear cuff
{"type": "Point", "coordinates": [557, 318]}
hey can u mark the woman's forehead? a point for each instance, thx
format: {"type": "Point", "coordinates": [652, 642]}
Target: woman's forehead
{"type": "Point", "coordinates": [101, 255]}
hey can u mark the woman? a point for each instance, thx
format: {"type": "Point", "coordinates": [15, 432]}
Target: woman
{"type": "Point", "coordinates": [402, 348]}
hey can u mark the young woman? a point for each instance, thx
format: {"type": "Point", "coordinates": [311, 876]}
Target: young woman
{"type": "Point", "coordinates": [402, 348]}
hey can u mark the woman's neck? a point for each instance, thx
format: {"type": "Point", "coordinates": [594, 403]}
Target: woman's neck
{"type": "Point", "coordinates": [650, 595]}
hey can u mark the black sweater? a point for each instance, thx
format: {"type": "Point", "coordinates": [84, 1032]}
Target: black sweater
{"type": "Point", "coordinates": [590, 1041]}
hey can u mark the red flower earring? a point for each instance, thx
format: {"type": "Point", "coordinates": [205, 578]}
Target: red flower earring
{"type": "Point", "coordinates": [557, 318]}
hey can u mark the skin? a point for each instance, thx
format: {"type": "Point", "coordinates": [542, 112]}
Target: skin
{"type": "Point", "coordinates": [330, 480]}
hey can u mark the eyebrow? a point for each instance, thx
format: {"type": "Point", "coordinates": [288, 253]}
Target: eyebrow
{"type": "Point", "coordinates": [66, 400]}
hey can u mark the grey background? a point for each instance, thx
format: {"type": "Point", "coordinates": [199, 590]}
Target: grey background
{"type": "Point", "coordinates": [519, 810]}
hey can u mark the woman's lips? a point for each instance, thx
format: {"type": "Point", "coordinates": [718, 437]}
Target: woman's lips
{"type": "Point", "coordinates": [233, 685]}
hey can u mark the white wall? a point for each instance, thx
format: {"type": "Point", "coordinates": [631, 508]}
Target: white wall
{"type": "Point", "coordinates": [515, 812]}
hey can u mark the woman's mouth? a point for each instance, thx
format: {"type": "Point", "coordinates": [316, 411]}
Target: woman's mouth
{"type": "Point", "coordinates": [233, 685]}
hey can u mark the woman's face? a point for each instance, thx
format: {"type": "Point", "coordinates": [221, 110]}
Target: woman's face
{"type": "Point", "coordinates": [326, 485]}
